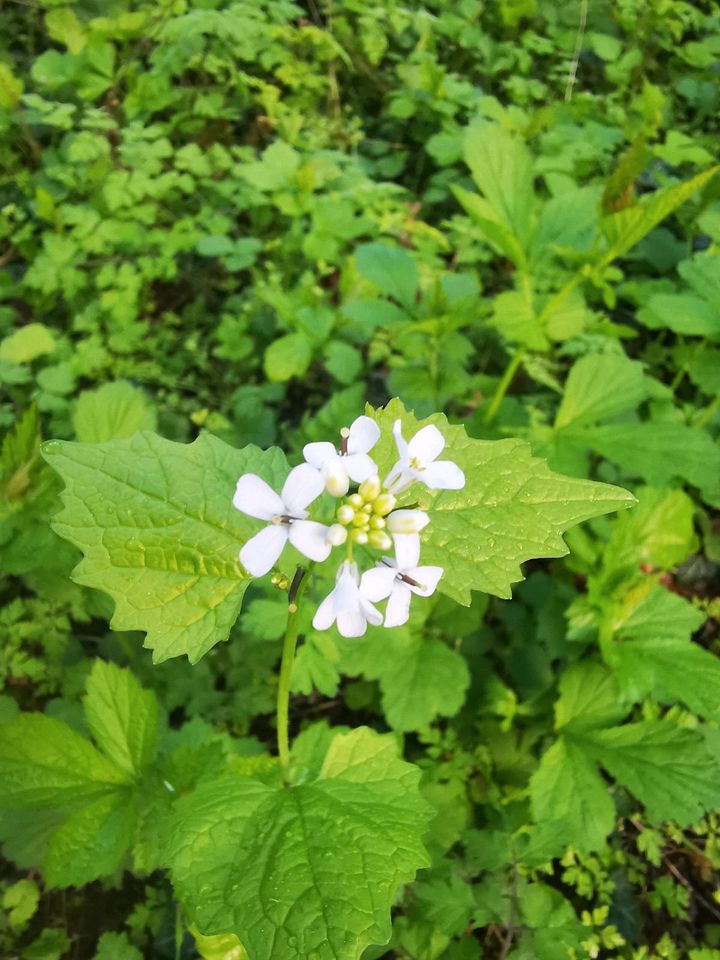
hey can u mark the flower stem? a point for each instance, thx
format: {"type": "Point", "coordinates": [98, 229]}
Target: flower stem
{"type": "Point", "coordinates": [297, 588]}
{"type": "Point", "coordinates": [505, 382]}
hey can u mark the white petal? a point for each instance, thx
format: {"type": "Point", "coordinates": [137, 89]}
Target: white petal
{"type": "Point", "coordinates": [311, 539]}
{"type": "Point", "coordinates": [427, 577]}
{"type": "Point", "coordinates": [397, 610]}
{"type": "Point", "coordinates": [394, 474]}
{"type": "Point", "coordinates": [407, 521]}
{"type": "Point", "coordinates": [407, 550]}
{"type": "Point", "coordinates": [255, 498]}
{"type": "Point", "coordinates": [400, 441]}
{"type": "Point", "coordinates": [364, 434]}
{"type": "Point", "coordinates": [303, 485]}
{"type": "Point", "coordinates": [359, 466]}
{"type": "Point", "coordinates": [261, 552]}
{"type": "Point", "coordinates": [325, 614]}
{"type": "Point", "coordinates": [377, 584]}
{"type": "Point", "coordinates": [443, 475]}
{"type": "Point", "coordinates": [351, 623]}
{"type": "Point", "coordinates": [426, 444]}
{"type": "Point", "coordinates": [317, 453]}
{"type": "Point", "coordinates": [335, 476]}
{"type": "Point", "coordinates": [372, 615]}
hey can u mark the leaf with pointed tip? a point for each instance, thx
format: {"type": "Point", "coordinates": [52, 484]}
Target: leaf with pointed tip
{"type": "Point", "coordinates": [155, 522]}
{"type": "Point", "coordinates": [305, 871]}
{"type": "Point", "coordinates": [512, 508]}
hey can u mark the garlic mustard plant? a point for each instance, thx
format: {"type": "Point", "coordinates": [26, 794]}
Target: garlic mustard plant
{"type": "Point", "coordinates": [367, 519]}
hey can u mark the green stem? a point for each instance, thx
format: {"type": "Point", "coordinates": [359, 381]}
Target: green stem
{"type": "Point", "coordinates": [297, 588]}
{"type": "Point", "coordinates": [505, 382]}
{"type": "Point", "coordinates": [707, 412]}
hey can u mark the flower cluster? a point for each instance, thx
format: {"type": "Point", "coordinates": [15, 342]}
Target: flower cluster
{"type": "Point", "coordinates": [366, 518]}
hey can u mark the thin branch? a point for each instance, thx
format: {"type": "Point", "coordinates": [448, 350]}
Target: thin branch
{"type": "Point", "coordinates": [572, 75]}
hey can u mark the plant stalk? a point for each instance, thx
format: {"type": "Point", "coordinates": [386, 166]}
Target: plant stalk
{"type": "Point", "coordinates": [505, 382]}
{"type": "Point", "coordinates": [297, 588]}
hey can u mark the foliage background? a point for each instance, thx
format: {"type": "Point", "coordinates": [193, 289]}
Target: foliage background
{"type": "Point", "coordinates": [252, 217]}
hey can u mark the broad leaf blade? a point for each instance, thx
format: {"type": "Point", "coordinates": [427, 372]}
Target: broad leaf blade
{"type": "Point", "coordinates": [512, 508]}
{"type": "Point", "coordinates": [45, 764]}
{"type": "Point", "coordinates": [122, 717]}
{"type": "Point", "coordinates": [156, 524]}
{"type": "Point", "coordinates": [309, 871]}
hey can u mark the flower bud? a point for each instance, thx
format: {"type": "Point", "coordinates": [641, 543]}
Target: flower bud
{"type": "Point", "coordinates": [407, 521]}
{"type": "Point", "coordinates": [384, 504]}
{"type": "Point", "coordinates": [359, 537]}
{"type": "Point", "coordinates": [355, 500]}
{"type": "Point", "coordinates": [345, 513]}
{"type": "Point", "coordinates": [377, 523]}
{"type": "Point", "coordinates": [370, 489]}
{"type": "Point", "coordinates": [379, 539]}
{"type": "Point", "coordinates": [336, 535]}
{"type": "Point", "coordinates": [367, 509]}
{"type": "Point", "coordinates": [360, 520]}
{"type": "Point", "coordinates": [336, 478]}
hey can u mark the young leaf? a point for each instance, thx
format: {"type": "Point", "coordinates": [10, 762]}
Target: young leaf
{"type": "Point", "coordinates": [600, 386]}
{"type": "Point", "coordinates": [305, 871]}
{"type": "Point", "coordinates": [114, 411]}
{"type": "Point", "coordinates": [511, 509]}
{"type": "Point", "coordinates": [568, 787]}
{"type": "Point", "coordinates": [156, 524]}
{"type": "Point", "coordinates": [122, 717]}
{"type": "Point", "coordinates": [391, 269]}
{"type": "Point", "coordinates": [625, 229]}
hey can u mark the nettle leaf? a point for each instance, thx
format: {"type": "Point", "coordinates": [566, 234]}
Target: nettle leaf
{"type": "Point", "coordinates": [305, 871]}
{"type": "Point", "coordinates": [155, 522]}
{"type": "Point", "coordinates": [669, 769]}
{"type": "Point", "coordinates": [513, 507]}
{"type": "Point", "coordinates": [113, 411]}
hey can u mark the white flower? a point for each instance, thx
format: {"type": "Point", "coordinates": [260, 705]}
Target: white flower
{"type": "Point", "coordinates": [285, 515]}
{"type": "Point", "coordinates": [348, 604]}
{"type": "Point", "coordinates": [407, 521]}
{"type": "Point", "coordinates": [399, 578]}
{"type": "Point", "coordinates": [418, 462]}
{"type": "Point", "coordinates": [351, 462]}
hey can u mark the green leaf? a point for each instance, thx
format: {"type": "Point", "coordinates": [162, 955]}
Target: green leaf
{"type": "Point", "coordinates": [421, 680]}
{"type": "Point", "coordinates": [669, 769]}
{"type": "Point", "coordinates": [123, 718]}
{"type": "Point", "coordinates": [288, 357]}
{"type": "Point", "coordinates": [567, 787]}
{"type": "Point", "coordinates": [92, 842]}
{"type": "Point", "coordinates": [114, 411]}
{"type": "Point", "coordinates": [625, 229]}
{"type": "Point", "coordinates": [498, 234]}
{"type": "Point", "coordinates": [10, 87]}
{"type": "Point", "coordinates": [156, 524]}
{"type": "Point", "coordinates": [658, 532]}
{"type": "Point", "coordinates": [512, 508]}
{"type": "Point", "coordinates": [391, 269]}
{"type": "Point", "coordinates": [27, 344]}
{"type": "Point", "coordinates": [668, 671]}
{"type": "Point", "coordinates": [306, 871]}
{"type": "Point", "coordinates": [650, 450]}
{"type": "Point", "coordinates": [682, 313]}
{"type": "Point", "coordinates": [600, 386]}
{"type": "Point", "coordinates": [501, 166]}
{"type": "Point", "coordinates": [44, 763]}
{"type": "Point", "coordinates": [116, 946]}
{"type": "Point", "coordinates": [589, 697]}
{"type": "Point", "coordinates": [63, 25]}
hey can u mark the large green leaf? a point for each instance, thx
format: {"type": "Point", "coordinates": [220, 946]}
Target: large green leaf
{"type": "Point", "coordinates": [308, 871]}
{"type": "Point", "coordinates": [512, 508]}
{"type": "Point", "coordinates": [112, 412]}
{"type": "Point", "coordinates": [156, 524]}
{"type": "Point", "coordinates": [391, 269]}
{"type": "Point", "coordinates": [600, 386]}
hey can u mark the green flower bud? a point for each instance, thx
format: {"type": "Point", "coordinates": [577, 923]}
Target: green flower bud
{"type": "Point", "coordinates": [370, 489]}
{"type": "Point", "coordinates": [377, 523]}
{"type": "Point", "coordinates": [379, 539]}
{"type": "Point", "coordinates": [359, 537]}
{"type": "Point", "coordinates": [384, 504]}
{"type": "Point", "coordinates": [355, 500]}
{"type": "Point", "coordinates": [345, 514]}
